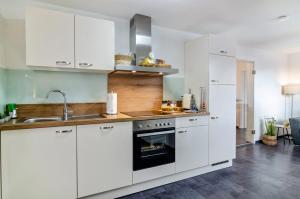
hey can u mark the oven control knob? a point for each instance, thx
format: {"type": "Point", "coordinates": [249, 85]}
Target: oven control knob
{"type": "Point", "coordinates": [169, 123]}
{"type": "Point", "coordinates": [160, 124]}
{"type": "Point", "coordinates": [165, 124]}
{"type": "Point", "coordinates": [148, 125]}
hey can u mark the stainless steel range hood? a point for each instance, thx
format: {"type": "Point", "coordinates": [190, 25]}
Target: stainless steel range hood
{"type": "Point", "coordinates": [140, 46]}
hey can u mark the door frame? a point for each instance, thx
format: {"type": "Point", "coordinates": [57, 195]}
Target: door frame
{"type": "Point", "coordinates": [250, 137]}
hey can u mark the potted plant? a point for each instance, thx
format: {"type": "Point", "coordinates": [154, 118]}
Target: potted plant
{"type": "Point", "coordinates": [269, 137]}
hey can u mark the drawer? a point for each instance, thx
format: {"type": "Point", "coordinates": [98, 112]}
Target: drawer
{"type": "Point", "coordinates": [191, 121]}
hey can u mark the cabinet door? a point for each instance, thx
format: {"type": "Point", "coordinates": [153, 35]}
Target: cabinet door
{"type": "Point", "coordinates": [222, 70]}
{"type": "Point", "coordinates": [191, 148]}
{"type": "Point", "coordinates": [49, 38]}
{"type": "Point", "coordinates": [95, 43]}
{"type": "Point", "coordinates": [222, 45]}
{"type": "Point", "coordinates": [104, 157]}
{"type": "Point", "coordinates": [39, 163]}
{"type": "Point", "coordinates": [222, 132]}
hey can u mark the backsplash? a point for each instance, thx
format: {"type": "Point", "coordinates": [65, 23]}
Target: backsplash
{"type": "Point", "coordinates": [31, 87]}
{"type": "Point", "coordinates": [26, 86]}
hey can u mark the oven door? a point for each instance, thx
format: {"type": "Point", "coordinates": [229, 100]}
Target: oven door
{"type": "Point", "coordinates": [153, 148]}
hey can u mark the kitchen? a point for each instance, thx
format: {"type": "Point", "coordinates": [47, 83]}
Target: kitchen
{"type": "Point", "coordinates": [104, 107]}
{"type": "Point", "coordinates": [140, 92]}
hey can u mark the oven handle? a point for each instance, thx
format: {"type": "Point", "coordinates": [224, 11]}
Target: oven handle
{"type": "Point", "coordinates": [155, 133]}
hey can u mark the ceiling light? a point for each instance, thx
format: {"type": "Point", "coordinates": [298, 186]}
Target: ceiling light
{"type": "Point", "coordinates": [283, 18]}
{"type": "Point", "coordinates": [133, 71]}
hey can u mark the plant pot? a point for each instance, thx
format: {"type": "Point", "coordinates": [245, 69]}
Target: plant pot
{"type": "Point", "coordinates": [269, 140]}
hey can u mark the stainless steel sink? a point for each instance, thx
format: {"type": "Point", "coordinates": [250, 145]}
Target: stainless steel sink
{"type": "Point", "coordinates": [43, 119]}
{"type": "Point", "coordinates": [53, 119]}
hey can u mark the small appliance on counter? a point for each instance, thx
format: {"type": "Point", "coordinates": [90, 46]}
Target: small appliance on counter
{"type": "Point", "coordinates": [112, 103]}
{"type": "Point", "coordinates": [189, 102]}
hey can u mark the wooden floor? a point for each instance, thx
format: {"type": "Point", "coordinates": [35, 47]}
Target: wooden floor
{"type": "Point", "coordinates": [258, 172]}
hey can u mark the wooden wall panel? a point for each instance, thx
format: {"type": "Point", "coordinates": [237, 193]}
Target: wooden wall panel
{"type": "Point", "coordinates": [137, 92]}
{"type": "Point", "coordinates": [46, 110]}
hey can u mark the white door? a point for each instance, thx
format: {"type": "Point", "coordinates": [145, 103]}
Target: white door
{"type": "Point", "coordinates": [191, 148]}
{"type": "Point", "coordinates": [39, 163]}
{"type": "Point", "coordinates": [222, 132]}
{"type": "Point", "coordinates": [49, 38]}
{"type": "Point", "coordinates": [95, 43]}
{"type": "Point", "coordinates": [222, 70]}
{"type": "Point", "coordinates": [104, 157]}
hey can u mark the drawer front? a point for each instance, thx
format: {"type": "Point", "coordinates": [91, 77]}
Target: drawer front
{"type": "Point", "coordinates": [191, 121]}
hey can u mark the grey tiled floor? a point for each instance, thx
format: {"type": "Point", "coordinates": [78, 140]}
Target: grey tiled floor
{"type": "Point", "coordinates": [259, 172]}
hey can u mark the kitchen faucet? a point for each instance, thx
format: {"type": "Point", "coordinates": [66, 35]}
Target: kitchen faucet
{"type": "Point", "coordinates": [66, 111]}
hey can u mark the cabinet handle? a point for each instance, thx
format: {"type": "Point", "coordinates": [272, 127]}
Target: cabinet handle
{"type": "Point", "coordinates": [85, 65]}
{"type": "Point", "coordinates": [223, 52]}
{"type": "Point", "coordinates": [214, 118]}
{"type": "Point", "coordinates": [192, 120]}
{"type": "Point", "coordinates": [106, 127]}
{"type": "Point", "coordinates": [214, 81]}
{"type": "Point", "coordinates": [63, 63]}
{"type": "Point", "coordinates": [64, 131]}
{"type": "Point", "coordinates": [182, 131]}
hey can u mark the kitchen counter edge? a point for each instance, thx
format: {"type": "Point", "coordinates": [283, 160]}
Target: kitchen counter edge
{"type": "Point", "coordinates": [12, 125]}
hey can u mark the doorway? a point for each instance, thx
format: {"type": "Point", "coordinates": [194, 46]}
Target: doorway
{"type": "Point", "coordinates": [245, 103]}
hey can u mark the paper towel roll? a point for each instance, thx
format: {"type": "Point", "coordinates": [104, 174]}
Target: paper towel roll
{"type": "Point", "coordinates": [112, 103]}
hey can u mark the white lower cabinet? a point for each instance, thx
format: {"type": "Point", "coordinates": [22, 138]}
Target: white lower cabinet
{"type": "Point", "coordinates": [39, 163]}
{"type": "Point", "coordinates": [104, 154]}
{"type": "Point", "coordinates": [191, 148]}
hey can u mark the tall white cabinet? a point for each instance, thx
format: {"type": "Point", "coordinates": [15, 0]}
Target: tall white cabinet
{"type": "Point", "coordinates": [57, 39]}
{"type": "Point", "coordinates": [210, 63]}
{"type": "Point", "coordinates": [39, 163]}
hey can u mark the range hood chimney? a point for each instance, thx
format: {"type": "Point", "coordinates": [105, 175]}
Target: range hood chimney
{"type": "Point", "coordinates": [140, 37]}
{"type": "Point", "coordinates": [140, 46]}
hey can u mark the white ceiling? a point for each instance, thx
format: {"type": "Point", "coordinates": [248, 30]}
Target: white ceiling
{"type": "Point", "coordinates": [250, 21]}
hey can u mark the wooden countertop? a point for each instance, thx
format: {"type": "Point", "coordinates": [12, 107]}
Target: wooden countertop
{"type": "Point", "coordinates": [16, 124]}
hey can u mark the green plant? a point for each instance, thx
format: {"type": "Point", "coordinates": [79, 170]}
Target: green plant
{"type": "Point", "coordinates": [270, 127]}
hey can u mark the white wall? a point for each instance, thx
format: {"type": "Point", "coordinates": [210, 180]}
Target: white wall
{"type": "Point", "coordinates": [271, 68]}
{"type": "Point", "coordinates": [294, 78]}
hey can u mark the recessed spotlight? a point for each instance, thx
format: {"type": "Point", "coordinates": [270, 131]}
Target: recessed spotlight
{"type": "Point", "coordinates": [160, 73]}
{"type": "Point", "coordinates": [133, 71]}
{"type": "Point", "coordinates": [283, 18]}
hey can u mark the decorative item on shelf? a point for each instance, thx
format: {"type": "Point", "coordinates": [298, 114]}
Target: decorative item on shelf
{"type": "Point", "coordinates": [160, 63]}
{"type": "Point", "coordinates": [269, 138]}
{"type": "Point", "coordinates": [203, 103]}
{"type": "Point", "coordinates": [112, 103]}
{"type": "Point", "coordinates": [123, 60]}
{"type": "Point", "coordinates": [148, 61]}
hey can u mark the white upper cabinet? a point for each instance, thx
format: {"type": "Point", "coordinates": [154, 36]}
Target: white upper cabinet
{"type": "Point", "coordinates": [104, 155]}
{"type": "Point", "coordinates": [221, 45]}
{"type": "Point", "coordinates": [94, 43]}
{"type": "Point", "coordinates": [49, 38]}
{"type": "Point", "coordinates": [62, 40]}
{"type": "Point", "coordinates": [39, 163]}
{"type": "Point", "coordinates": [222, 70]}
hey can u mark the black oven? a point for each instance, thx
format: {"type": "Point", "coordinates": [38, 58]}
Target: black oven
{"type": "Point", "coordinates": [153, 143]}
